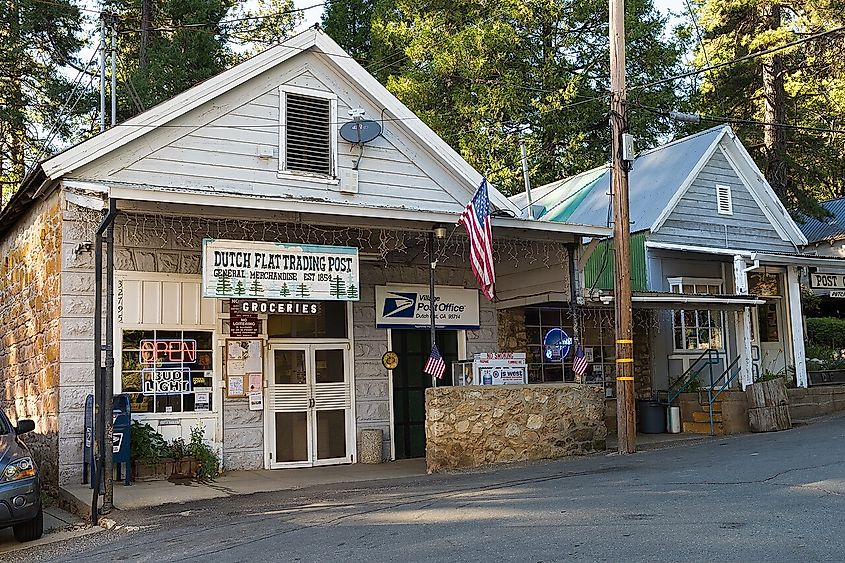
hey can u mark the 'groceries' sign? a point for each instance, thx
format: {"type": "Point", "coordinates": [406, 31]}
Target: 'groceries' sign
{"type": "Point", "coordinates": [269, 270]}
{"type": "Point", "coordinates": [408, 306]}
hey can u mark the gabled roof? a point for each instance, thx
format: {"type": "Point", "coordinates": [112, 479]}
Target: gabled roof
{"type": "Point", "coordinates": [830, 228]}
{"type": "Point", "coordinates": [314, 40]}
{"type": "Point", "coordinates": [656, 182]}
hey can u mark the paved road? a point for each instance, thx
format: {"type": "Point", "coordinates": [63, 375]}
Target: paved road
{"type": "Point", "coordinates": [773, 497]}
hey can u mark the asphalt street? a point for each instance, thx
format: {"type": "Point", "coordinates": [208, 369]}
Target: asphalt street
{"type": "Point", "coordinates": [760, 497]}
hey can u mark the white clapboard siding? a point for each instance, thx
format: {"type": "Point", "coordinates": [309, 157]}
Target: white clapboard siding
{"type": "Point", "coordinates": [696, 220]}
{"type": "Point", "coordinates": [231, 145]}
{"type": "Point", "coordinates": [162, 302]}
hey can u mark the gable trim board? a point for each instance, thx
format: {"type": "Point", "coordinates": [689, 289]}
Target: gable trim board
{"type": "Point", "coordinates": [745, 170]}
{"type": "Point", "coordinates": [312, 39]}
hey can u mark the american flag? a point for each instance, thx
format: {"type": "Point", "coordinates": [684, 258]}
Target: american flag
{"type": "Point", "coordinates": [476, 220]}
{"type": "Point", "coordinates": [579, 362]}
{"type": "Point", "coordinates": [435, 366]}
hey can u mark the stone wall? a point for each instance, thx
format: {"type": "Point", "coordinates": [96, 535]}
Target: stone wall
{"type": "Point", "coordinates": [472, 426]}
{"type": "Point", "coordinates": [816, 401]}
{"type": "Point", "coordinates": [30, 328]}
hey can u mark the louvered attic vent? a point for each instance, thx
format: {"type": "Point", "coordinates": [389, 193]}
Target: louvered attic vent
{"type": "Point", "coordinates": [308, 134]}
{"type": "Point", "coordinates": [724, 203]}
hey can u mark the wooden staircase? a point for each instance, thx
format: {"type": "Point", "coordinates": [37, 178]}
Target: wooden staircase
{"type": "Point", "coordinates": [695, 417]}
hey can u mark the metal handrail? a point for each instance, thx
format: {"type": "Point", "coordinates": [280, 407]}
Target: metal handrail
{"type": "Point", "coordinates": [711, 397]}
{"type": "Point", "coordinates": [691, 374]}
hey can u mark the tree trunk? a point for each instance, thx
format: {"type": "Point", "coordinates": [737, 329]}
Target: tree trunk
{"type": "Point", "coordinates": [144, 40]}
{"type": "Point", "coordinates": [774, 139]}
{"type": "Point", "coordinates": [768, 406]}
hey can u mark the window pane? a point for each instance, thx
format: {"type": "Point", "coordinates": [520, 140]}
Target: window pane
{"type": "Point", "coordinates": [329, 366]}
{"type": "Point", "coordinates": [552, 373]}
{"type": "Point", "coordinates": [330, 322]}
{"type": "Point", "coordinates": [131, 381]}
{"type": "Point", "coordinates": [532, 316]}
{"type": "Point", "coordinates": [688, 288]}
{"type": "Point", "coordinates": [290, 367]}
{"type": "Point", "coordinates": [550, 318]}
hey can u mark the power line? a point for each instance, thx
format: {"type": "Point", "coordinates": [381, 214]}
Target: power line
{"type": "Point", "coordinates": [749, 56]}
{"type": "Point", "coordinates": [225, 21]}
{"type": "Point", "coordinates": [693, 117]}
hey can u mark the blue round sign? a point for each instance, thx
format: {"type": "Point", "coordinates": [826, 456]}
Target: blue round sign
{"type": "Point", "coordinates": [556, 345]}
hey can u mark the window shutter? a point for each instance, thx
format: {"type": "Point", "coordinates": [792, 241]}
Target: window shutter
{"type": "Point", "coordinates": [724, 203]}
{"type": "Point", "coordinates": [308, 134]}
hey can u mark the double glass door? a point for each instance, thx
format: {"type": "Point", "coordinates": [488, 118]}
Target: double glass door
{"type": "Point", "coordinates": [309, 405]}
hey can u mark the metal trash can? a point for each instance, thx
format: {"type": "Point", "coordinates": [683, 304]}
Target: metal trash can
{"type": "Point", "coordinates": [673, 424]}
{"type": "Point", "coordinates": [652, 417]}
{"type": "Point", "coordinates": [370, 446]}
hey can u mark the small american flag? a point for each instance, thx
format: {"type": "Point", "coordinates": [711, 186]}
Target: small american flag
{"type": "Point", "coordinates": [579, 362]}
{"type": "Point", "coordinates": [435, 366]}
{"type": "Point", "coordinates": [476, 221]}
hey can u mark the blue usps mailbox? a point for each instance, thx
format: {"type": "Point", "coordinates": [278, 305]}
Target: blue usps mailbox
{"type": "Point", "coordinates": [121, 439]}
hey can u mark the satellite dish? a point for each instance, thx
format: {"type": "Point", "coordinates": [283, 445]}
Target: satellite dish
{"type": "Point", "coordinates": [360, 131]}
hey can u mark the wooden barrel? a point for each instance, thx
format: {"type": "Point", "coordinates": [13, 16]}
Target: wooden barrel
{"type": "Point", "coordinates": [768, 406]}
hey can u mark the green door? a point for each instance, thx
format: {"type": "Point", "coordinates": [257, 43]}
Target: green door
{"type": "Point", "coordinates": [410, 383]}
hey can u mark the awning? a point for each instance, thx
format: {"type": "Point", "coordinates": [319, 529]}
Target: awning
{"type": "Point", "coordinates": [674, 301]}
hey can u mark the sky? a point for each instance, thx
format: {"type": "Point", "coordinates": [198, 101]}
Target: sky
{"type": "Point", "coordinates": [312, 15]}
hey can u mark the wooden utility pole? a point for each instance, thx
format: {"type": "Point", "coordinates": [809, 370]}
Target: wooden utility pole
{"type": "Point", "coordinates": [625, 415]}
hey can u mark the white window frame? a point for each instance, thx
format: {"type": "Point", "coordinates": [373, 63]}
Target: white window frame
{"type": "Point", "coordinates": [728, 191]}
{"type": "Point", "coordinates": [216, 411]}
{"type": "Point", "coordinates": [680, 282]}
{"type": "Point", "coordinates": [283, 172]}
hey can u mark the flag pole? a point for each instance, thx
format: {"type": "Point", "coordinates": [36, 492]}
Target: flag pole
{"type": "Point", "coordinates": [433, 264]}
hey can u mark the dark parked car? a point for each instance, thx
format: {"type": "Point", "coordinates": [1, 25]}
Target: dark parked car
{"type": "Point", "coordinates": [20, 484]}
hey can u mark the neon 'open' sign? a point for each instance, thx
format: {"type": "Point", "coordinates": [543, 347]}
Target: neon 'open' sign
{"type": "Point", "coordinates": [175, 351]}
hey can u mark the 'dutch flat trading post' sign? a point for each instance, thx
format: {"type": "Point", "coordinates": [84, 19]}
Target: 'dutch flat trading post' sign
{"type": "Point", "coordinates": [268, 270]}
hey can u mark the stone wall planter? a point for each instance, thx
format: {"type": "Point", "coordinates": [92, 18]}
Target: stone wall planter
{"type": "Point", "coordinates": [472, 426]}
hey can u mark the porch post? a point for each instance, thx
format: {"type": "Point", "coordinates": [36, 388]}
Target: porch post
{"type": "Point", "coordinates": [796, 325]}
{"type": "Point", "coordinates": [743, 323]}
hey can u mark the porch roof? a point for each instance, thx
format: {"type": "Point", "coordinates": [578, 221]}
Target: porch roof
{"type": "Point", "coordinates": [671, 301]}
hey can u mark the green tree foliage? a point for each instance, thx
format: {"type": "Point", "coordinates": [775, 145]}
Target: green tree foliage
{"type": "Point", "coordinates": [350, 24]}
{"type": "Point", "coordinates": [37, 40]}
{"type": "Point", "coordinates": [268, 23]}
{"type": "Point", "coordinates": [483, 73]}
{"type": "Point", "coordinates": [177, 44]}
{"type": "Point", "coordinates": [804, 85]}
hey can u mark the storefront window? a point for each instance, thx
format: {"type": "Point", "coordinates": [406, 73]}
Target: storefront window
{"type": "Point", "coordinates": [166, 371]}
{"type": "Point", "coordinates": [698, 329]}
{"type": "Point", "coordinates": [556, 365]}
{"type": "Point", "coordinates": [328, 322]}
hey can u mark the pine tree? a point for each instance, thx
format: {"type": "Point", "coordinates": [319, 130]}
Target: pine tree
{"type": "Point", "coordinates": [337, 287]}
{"type": "Point", "coordinates": [803, 85]}
{"type": "Point", "coordinates": [484, 74]}
{"type": "Point", "coordinates": [255, 288]}
{"type": "Point", "coordinates": [350, 24]}
{"type": "Point", "coordinates": [284, 291]}
{"type": "Point", "coordinates": [37, 41]}
{"type": "Point", "coordinates": [302, 290]}
{"type": "Point", "coordinates": [224, 285]}
{"type": "Point", "coordinates": [352, 291]}
{"type": "Point", "coordinates": [239, 288]}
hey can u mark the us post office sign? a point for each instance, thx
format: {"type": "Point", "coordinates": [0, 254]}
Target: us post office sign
{"type": "Point", "coordinates": [409, 306]}
{"type": "Point", "coordinates": [268, 270]}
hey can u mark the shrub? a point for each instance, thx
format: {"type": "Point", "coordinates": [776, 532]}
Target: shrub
{"type": "Point", "coordinates": [208, 464]}
{"type": "Point", "coordinates": [148, 446]}
{"type": "Point", "coordinates": [826, 331]}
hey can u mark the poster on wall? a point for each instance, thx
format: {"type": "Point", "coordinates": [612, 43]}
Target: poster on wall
{"type": "Point", "coordinates": [270, 270]}
{"type": "Point", "coordinates": [408, 306]}
{"type": "Point", "coordinates": [244, 366]}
